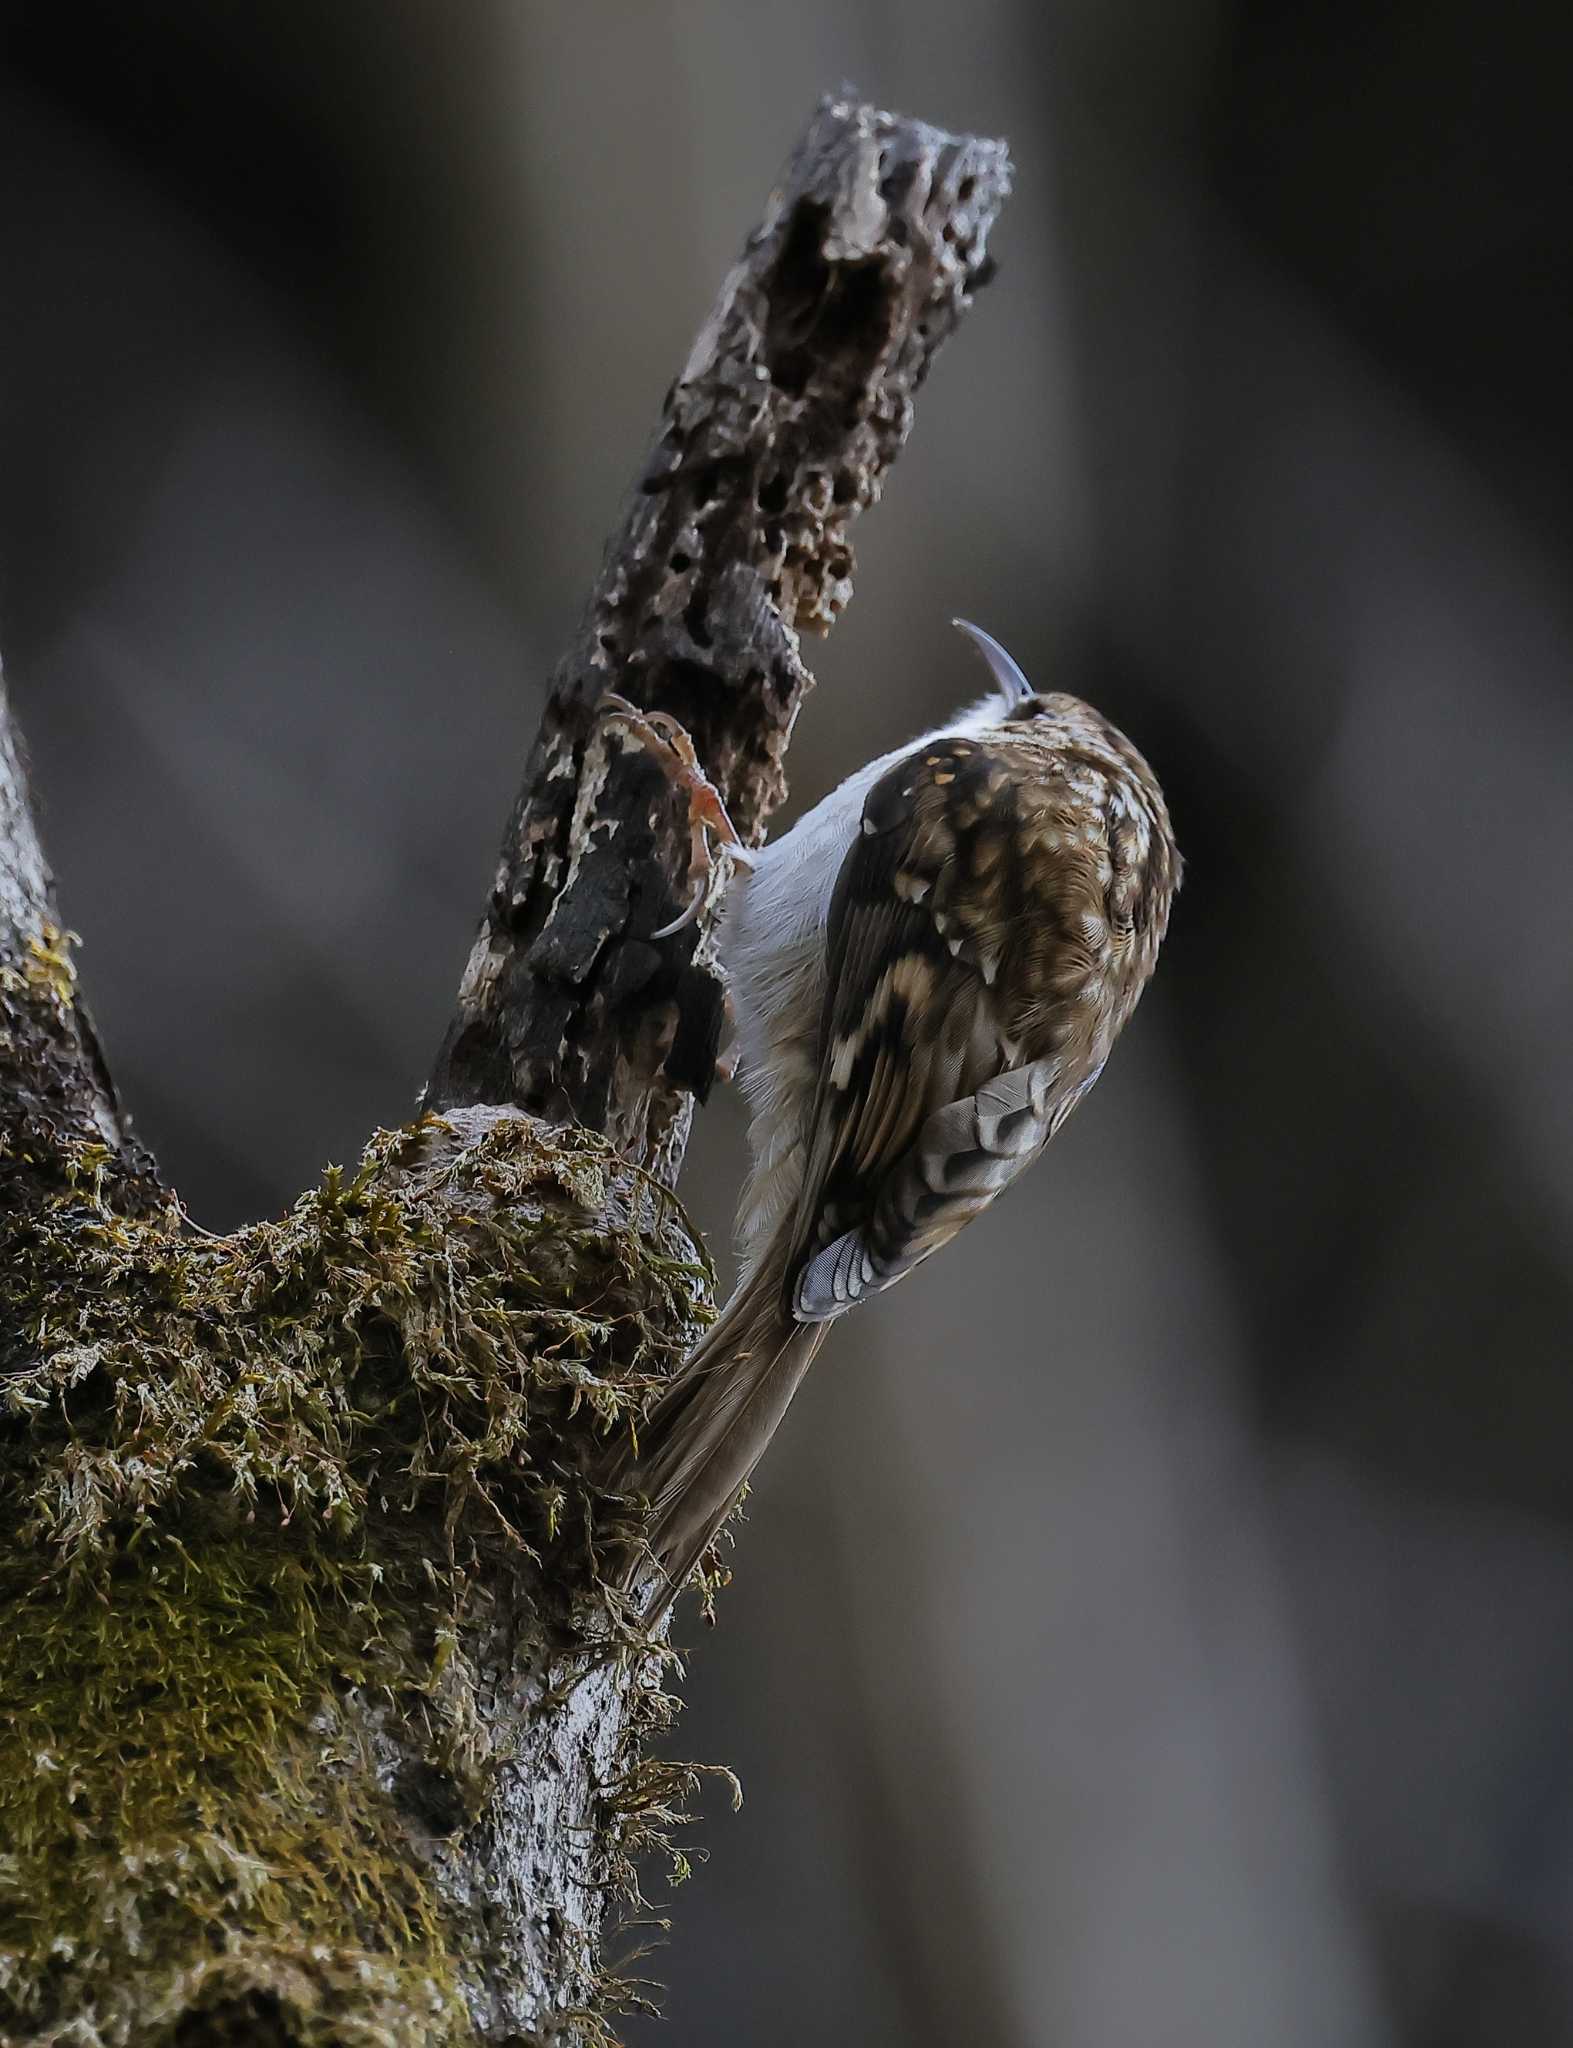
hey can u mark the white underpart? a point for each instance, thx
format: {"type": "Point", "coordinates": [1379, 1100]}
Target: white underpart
{"type": "Point", "coordinates": [773, 945]}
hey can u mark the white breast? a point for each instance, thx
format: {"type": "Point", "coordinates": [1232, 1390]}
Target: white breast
{"type": "Point", "coordinates": [773, 944]}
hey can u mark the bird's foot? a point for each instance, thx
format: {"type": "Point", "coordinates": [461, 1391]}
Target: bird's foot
{"type": "Point", "coordinates": [663, 736]}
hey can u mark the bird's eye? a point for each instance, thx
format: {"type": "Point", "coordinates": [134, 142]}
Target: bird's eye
{"type": "Point", "coordinates": [1028, 709]}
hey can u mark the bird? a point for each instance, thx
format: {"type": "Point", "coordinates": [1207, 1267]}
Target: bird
{"type": "Point", "coordinates": [927, 972]}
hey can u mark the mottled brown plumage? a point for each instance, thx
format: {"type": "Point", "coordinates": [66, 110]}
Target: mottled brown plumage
{"type": "Point", "coordinates": [930, 971]}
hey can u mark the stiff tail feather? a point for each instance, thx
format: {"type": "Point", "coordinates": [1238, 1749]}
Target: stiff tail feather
{"type": "Point", "coordinates": [707, 1431]}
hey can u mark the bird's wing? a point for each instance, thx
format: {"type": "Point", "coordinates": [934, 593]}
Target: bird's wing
{"type": "Point", "coordinates": [925, 1107]}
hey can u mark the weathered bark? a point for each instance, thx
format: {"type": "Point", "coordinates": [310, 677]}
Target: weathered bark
{"type": "Point", "coordinates": [56, 1096]}
{"type": "Point", "coordinates": [318, 1724]}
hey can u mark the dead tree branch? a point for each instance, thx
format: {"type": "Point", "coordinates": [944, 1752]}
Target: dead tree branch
{"type": "Point", "coordinates": [794, 402]}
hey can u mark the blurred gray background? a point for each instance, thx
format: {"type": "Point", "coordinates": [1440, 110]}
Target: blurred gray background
{"type": "Point", "coordinates": [1154, 1628]}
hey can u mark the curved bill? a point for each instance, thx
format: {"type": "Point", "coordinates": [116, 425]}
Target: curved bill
{"type": "Point", "coordinates": [1004, 668]}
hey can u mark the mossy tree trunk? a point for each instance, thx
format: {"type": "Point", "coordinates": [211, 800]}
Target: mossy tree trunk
{"type": "Point", "coordinates": [318, 1722]}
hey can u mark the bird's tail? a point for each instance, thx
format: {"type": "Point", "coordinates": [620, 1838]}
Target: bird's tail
{"type": "Point", "coordinates": [707, 1431]}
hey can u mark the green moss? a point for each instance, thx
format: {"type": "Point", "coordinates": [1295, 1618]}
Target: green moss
{"type": "Point", "coordinates": [260, 1499]}
{"type": "Point", "coordinates": [221, 1839]}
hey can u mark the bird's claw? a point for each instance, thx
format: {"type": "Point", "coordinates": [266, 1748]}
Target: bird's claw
{"type": "Point", "coordinates": [662, 735]}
